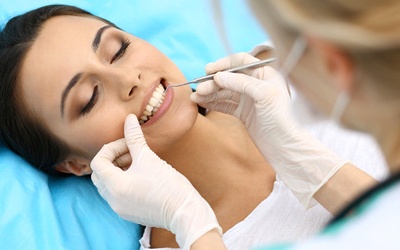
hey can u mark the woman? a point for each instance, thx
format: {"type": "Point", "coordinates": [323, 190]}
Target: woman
{"type": "Point", "coordinates": [70, 79]}
{"type": "Point", "coordinates": [353, 49]}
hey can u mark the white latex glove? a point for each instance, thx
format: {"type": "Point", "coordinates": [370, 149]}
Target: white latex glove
{"type": "Point", "coordinates": [151, 192]}
{"type": "Point", "coordinates": [261, 101]}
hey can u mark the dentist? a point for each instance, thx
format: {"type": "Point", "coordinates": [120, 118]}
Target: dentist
{"type": "Point", "coordinates": [344, 56]}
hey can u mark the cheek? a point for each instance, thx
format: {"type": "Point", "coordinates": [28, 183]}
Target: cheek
{"type": "Point", "coordinates": [88, 138]}
{"type": "Point", "coordinates": [104, 133]}
{"type": "Point", "coordinates": [315, 89]}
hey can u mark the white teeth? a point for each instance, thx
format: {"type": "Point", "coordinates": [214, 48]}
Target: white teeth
{"type": "Point", "coordinates": [149, 107]}
{"type": "Point", "coordinates": [157, 95]}
{"type": "Point", "coordinates": [154, 103]}
{"type": "Point", "coordinates": [159, 90]}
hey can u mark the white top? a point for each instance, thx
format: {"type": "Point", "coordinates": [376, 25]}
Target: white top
{"type": "Point", "coordinates": [280, 217]}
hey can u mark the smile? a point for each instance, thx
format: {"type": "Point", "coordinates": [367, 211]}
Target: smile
{"type": "Point", "coordinates": [154, 104]}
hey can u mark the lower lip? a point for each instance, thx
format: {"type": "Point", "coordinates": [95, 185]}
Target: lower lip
{"type": "Point", "coordinates": [163, 108]}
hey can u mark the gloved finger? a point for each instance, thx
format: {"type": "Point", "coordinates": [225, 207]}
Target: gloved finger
{"type": "Point", "coordinates": [133, 135]}
{"type": "Point", "coordinates": [102, 164]}
{"type": "Point", "coordinates": [257, 89]}
{"type": "Point", "coordinates": [231, 61]}
{"type": "Point", "coordinates": [106, 180]}
{"type": "Point", "coordinates": [264, 73]}
{"type": "Point", "coordinates": [123, 161]}
{"type": "Point", "coordinates": [220, 95]}
{"type": "Point", "coordinates": [206, 88]}
{"type": "Point", "coordinates": [107, 155]}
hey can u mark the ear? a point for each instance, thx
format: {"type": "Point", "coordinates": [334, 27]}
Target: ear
{"type": "Point", "coordinates": [338, 63]}
{"type": "Point", "coordinates": [75, 166]}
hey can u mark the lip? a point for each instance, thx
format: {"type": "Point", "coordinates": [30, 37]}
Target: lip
{"type": "Point", "coordinates": [164, 106]}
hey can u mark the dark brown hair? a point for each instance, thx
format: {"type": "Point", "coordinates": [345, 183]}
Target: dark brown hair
{"type": "Point", "coordinates": [20, 131]}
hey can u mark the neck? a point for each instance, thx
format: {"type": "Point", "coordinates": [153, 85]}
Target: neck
{"type": "Point", "coordinates": [210, 140]}
{"type": "Point", "coordinates": [212, 154]}
{"type": "Point", "coordinates": [379, 116]}
{"type": "Point", "coordinates": [192, 144]}
{"type": "Point", "coordinates": [223, 164]}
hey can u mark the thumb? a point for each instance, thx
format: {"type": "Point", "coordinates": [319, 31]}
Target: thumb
{"type": "Point", "coordinates": [133, 135]}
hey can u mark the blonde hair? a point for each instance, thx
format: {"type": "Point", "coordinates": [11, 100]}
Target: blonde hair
{"type": "Point", "coordinates": [368, 30]}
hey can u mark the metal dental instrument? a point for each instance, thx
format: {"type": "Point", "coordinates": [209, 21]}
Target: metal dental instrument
{"type": "Point", "coordinates": [236, 69]}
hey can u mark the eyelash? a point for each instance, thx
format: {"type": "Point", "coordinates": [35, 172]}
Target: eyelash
{"type": "Point", "coordinates": [121, 51]}
{"type": "Point", "coordinates": [93, 99]}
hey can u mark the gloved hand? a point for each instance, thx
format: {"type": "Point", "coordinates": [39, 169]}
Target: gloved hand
{"type": "Point", "coordinates": [151, 192]}
{"type": "Point", "coordinates": [261, 101]}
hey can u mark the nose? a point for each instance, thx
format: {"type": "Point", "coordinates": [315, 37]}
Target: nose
{"type": "Point", "coordinates": [124, 82]}
{"type": "Point", "coordinates": [130, 82]}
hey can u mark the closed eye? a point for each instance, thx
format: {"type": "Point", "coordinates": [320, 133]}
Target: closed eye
{"type": "Point", "coordinates": [89, 106]}
{"type": "Point", "coordinates": [121, 51]}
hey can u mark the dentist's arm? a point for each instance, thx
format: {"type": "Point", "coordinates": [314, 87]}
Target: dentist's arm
{"type": "Point", "coordinates": [259, 98]}
{"type": "Point", "coordinates": [152, 193]}
{"type": "Point", "coordinates": [343, 187]}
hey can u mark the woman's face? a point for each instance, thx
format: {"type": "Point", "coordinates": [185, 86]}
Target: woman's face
{"type": "Point", "coordinates": [81, 78]}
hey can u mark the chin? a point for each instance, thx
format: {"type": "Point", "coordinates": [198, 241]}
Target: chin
{"type": "Point", "coordinates": [175, 124]}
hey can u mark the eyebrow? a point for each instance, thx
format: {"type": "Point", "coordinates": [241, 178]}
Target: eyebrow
{"type": "Point", "coordinates": [74, 80]}
{"type": "Point", "coordinates": [97, 37]}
